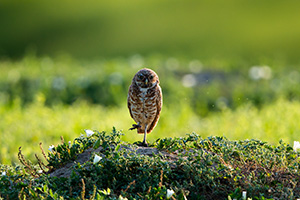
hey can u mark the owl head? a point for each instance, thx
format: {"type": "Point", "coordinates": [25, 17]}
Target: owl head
{"type": "Point", "coordinates": [146, 78]}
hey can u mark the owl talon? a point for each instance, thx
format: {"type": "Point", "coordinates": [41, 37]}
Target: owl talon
{"type": "Point", "coordinates": [135, 126]}
{"type": "Point", "coordinates": [141, 144]}
{"type": "Point", "coordinates": [144, 144]}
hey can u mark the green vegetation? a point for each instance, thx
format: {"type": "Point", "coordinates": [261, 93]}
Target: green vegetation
{"type": "Point", "coordinates": [38, 123]}
{"type": "Point", "coordinates": [43, 99]}
{"type": "Point", "coordinates": [192, 167]}
{"type": "Point", "coordinates": [228, 69]}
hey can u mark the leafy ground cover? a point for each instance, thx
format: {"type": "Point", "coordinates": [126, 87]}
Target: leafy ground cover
{"type": "Point", "coordinates": [192, 167]}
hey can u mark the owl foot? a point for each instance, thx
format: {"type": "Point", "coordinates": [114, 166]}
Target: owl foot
{"type": "Point", "coordinates": [141, 144]}
{"type": "Point", "coordinates": [145, 144]}
{"type": "Point", "coordinates": [134, 126]}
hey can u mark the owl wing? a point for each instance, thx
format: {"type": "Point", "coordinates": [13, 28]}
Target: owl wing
{"type": "Point", "coordinates": [129, 101]}
{"type": "Point", "coordinates": [158, 109]}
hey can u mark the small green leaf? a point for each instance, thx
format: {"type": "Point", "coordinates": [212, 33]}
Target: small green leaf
{"type": "Point", "coordinates": [96, 144]}
{"type": "Point", "coordinates": [118, 147]}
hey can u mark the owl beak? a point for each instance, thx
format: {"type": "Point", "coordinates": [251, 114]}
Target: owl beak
{"type": "Point", "coordinates": [146, 81]}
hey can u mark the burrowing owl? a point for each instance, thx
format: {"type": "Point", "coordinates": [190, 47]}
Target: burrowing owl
{"type": "Point", "coordinates": [144, 101]}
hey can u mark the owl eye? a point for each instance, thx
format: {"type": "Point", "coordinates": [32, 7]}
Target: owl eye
{"type": "Point", "coordinates": [151, 77]}
{"type": "Point", "coordinates": [140, 76]}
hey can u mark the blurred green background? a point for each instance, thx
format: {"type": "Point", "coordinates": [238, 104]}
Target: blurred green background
{"type": "Point", "coordinates": [226, 68]}
{"type": "Point", "coordinates": [194, 29]}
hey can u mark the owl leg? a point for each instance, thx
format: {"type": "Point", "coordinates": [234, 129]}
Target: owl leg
{"type": "Point", "coordinates": [145, 135]}
{"type": "Point", "coordinates": [134, 126]}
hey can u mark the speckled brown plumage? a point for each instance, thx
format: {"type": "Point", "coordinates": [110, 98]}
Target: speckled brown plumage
{"type": "Point", "coordinates": [145, 101]}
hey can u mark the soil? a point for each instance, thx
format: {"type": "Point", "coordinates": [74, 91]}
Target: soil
{"type": "Point", "coordinates": [66, 170]}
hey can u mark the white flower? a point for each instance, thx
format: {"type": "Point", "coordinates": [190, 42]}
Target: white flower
{"type": "Point", "coordinates": [189, 80]}
{"type": "Point", "coordinates": [70, 144]}
{"type": "Point", "coordinates": [97, 159]}
{"type": "Point", "coordinates": [51, 148]}
{"type": "Point", "coordinates": [296, 145]}
{"type": "Point", "coordinates": [88, 132]}
{"type": "Point", "coordinates": [169, 193]}
{"type": "Point", "coordinates": [260, 72]}
{"type": "Point", "coordinates": [122, 198]}
{"type": "Point", "coordinates": [3, 174]}
{"type": "Point", "coordinates": [244, 194]}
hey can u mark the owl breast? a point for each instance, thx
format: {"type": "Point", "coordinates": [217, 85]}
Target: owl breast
{"type": "Point", "coordinates": [143, 107]}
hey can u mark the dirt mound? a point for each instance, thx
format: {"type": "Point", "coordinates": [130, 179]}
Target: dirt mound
{"type": "Point", "coordinates": [66, 170]}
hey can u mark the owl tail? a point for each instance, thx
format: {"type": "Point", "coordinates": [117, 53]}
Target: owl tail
{"type": "Point", "coordinates": [141, 130]}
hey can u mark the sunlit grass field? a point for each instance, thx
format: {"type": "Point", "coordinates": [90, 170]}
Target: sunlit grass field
{"type": "Point", "coordinates": [36, 123]}
{"type": "Point", "coordinates": [42, 99]}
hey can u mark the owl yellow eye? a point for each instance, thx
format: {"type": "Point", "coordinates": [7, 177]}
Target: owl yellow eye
{"type": "Point", "coordinates": [140, 76]}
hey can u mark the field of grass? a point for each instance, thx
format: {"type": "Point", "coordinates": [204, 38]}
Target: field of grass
{"type": "Point", "coordinates": [43, 99]}
{"type": "Point", "coordinates": [36, 123]}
